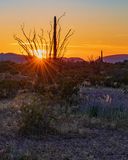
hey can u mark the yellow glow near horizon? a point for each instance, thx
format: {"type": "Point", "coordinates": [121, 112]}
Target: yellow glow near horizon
{"type": "Point", "coordinates": [41, 54]}
{"type": "Point", "coordinates": [98, 24]}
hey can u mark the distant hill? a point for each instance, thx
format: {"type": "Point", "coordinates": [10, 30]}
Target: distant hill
{"type": "Point", "coordinates": [17, 58]}
{"type": "Point", "coordinates": [115, 58]}
{"type": "Point", "coordinates": [73, 59]}
{"type": "Point", "coordinates": [13, 57]}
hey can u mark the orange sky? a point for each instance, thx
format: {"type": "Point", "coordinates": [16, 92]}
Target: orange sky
{"type": "Point", "coordinates": [98, 24]}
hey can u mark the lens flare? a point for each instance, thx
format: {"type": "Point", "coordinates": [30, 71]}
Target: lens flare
{"type": "Point", "coordinates": [41, 54]}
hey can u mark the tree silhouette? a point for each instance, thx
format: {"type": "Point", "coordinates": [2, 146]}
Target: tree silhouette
{"type": "Point", "coordinates": [52, 42]}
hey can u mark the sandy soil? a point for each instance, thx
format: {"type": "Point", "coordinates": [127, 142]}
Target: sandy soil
{"type": "Point", "coordinates": [97, 144]}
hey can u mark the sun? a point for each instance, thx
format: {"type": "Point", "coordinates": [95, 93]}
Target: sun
{"type": "Point", "coordinates": [41, 54]}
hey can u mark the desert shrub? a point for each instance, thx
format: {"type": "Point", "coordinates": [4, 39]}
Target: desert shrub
{"type": "Point", "coordinates": [112, 82]}
{"type": "Point", "coordinates": [107, 113]}
{"type": "Point", "coordinates": [27, 157]}
{"type": "Point", "coordinates": [68, 93]}
{"type": "Point", "coordinates": [67, 88]}
{"type": "Point", "coordinates": [96, 79]}
{"type": "Point", "coordinates": [125, 79]}
{"type": "Point", "coordinates": [9, 67]}
{"type": "Point", "coordinates": [36, 119]}
{"type": "Point", "coordinates": [93, 111]}
{"type": "Point", "coordinates": [5, 153]}
{"type": "Point", "coordinates": [45, 89]}
{"type": "Point", "coordinates": [9, 88]}
{"type": "Point", "coordinates": [115, 113]}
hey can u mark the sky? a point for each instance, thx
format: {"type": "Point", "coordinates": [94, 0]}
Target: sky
{"type": "Point", "coordinates": [98, 24]}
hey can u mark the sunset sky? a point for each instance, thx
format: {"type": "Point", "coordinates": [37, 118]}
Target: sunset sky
{"type": "Point", "coordinates": [98, 24]}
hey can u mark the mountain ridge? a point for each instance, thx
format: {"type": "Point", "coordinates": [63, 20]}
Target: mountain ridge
{"type": "Point", "coordinates": [18, 58]}
{"type": "Point", "coordinates": [115, 58]}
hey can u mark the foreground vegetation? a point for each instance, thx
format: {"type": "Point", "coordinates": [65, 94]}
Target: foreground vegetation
{"type": "Point", "coordinates": [91, 90]}
{"type": "Point", "coordinates": [87, 102]}
{"type": "Point", "coordinates": [34, 129]}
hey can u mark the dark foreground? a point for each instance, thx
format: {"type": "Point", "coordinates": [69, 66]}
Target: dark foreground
{"type": "Point", "coordinates": [98, 145]}
{"type": "Point", "coordinates": [93, 144]}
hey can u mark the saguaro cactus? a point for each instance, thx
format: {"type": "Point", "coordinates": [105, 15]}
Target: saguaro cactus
{"type": "Point", "coordinates": [55, 38]}
{"type": "Point", "coordinates": [101, 58]}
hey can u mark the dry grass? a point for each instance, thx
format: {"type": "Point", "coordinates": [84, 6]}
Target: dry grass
{"type": "Point", "coordinates": [79, 136]}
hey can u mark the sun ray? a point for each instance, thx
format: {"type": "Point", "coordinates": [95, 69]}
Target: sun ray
{"type": "Point", "coordinates": [41, 54]}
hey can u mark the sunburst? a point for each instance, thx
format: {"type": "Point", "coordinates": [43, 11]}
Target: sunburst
{"type": "Point", "coordinates": [40, 54]}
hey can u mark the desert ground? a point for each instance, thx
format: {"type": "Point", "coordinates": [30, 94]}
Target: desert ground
{"type": "Point", "coordinates": [78, 139]}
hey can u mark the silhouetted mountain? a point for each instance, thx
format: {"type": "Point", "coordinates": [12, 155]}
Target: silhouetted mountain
{"type": "Point", "coordinates": [21, 58]}
{"type": "Point", "coordinates": [12, 57]}
{"type": "Point", "coordinates": [115, 58]}
{"type": "Point", "coordinates": [73, 59]}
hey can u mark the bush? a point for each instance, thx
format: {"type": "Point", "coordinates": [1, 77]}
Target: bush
{"type": "Point", "coordinates": [107, 113]}
{"type": "Point", "coordinates": [36, 119]}
{"type": "Point", "coordinates": [27, 157]}
{"type": "Point", "coordinates": [93, 111]}
{"type": "Point", "coordinates": [9, 88]}
{"type": "Point", "coordinates": [69, 93]}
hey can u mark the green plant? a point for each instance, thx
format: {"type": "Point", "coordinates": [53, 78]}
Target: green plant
{"type": "Point", "coordinates": [28, 157]}
{"type": "Point", "coordinates": [93, 111]}
{"type": "Point", "coordinates": [9, 88]}
{"type": "Point", "coordinates": [68, 90]}
{"type": "Point", "coordinates": [36, 119]}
